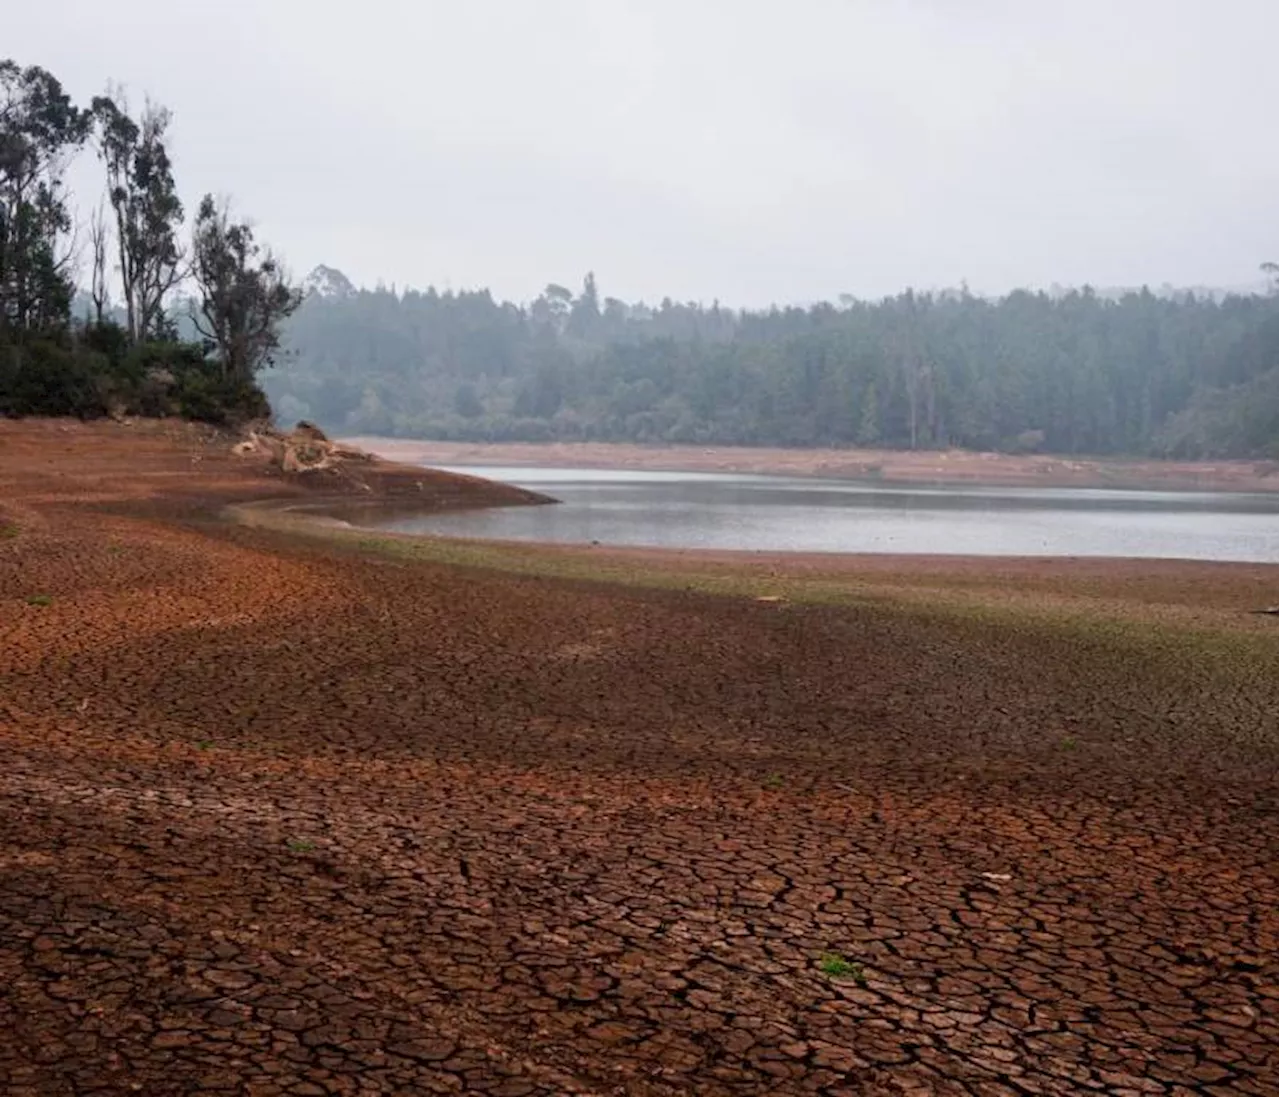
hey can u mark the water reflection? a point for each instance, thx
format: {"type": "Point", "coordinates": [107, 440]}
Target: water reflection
{"type": "Point", "coordinates": [773, 513]}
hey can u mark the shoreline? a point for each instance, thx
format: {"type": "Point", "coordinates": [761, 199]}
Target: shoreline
{"type": "Point", "coordinates": [1224, 596]}
{"type": "Point", "coordinates": [942, 467]}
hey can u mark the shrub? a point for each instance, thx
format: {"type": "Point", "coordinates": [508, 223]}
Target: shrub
{"type": "Point", "coordinates": [94, 372]}
{"type": "Point", "coordinates": [45, 378]}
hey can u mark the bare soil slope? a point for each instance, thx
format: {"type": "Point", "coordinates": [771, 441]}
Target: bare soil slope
{"type": "Point", "coordinates": [278, 818]}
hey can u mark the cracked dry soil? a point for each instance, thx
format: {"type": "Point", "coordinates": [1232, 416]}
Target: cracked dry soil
{"type": "Point", "coordinates": [279, 819]}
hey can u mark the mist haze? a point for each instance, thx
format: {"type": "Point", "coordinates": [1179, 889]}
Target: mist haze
{"type": "Point", "coordinates": [712, 151]}
{"type": "Point", "coordinates": [912, 226]}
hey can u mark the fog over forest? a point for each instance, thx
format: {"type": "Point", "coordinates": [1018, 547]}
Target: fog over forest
{"type": "Point", "coordinates": [1177, 374]}
{"type": "Point", "coordinates": [859, 225]}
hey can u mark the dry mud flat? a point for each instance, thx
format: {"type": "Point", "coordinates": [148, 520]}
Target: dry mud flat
{"type": "Point", "coordinates": [278, 817]}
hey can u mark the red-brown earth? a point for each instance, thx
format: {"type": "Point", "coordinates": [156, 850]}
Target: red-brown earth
{"type": "Point", "coordinates": [286, 814]}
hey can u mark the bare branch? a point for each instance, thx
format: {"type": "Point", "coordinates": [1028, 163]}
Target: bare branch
{"type": "Point", "coordinates": [98, 239]}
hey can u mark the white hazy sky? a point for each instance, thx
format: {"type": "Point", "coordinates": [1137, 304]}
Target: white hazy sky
{"type": "Point", "coordinates": [736, 149]}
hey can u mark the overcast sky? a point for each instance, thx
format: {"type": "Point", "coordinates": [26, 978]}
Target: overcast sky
{"type": "Point", "coordinates": [737, 149]}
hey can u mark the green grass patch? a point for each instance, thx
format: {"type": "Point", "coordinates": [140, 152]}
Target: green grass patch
{"type": "Point", "coordinates": [837, 967]}
{"type": "Point", "coordinates": [40, 600]}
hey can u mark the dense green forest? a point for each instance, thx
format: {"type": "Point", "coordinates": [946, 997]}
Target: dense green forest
{"type": "Point", "coordinates": [1078, 373]}
{"type": "Point", "coordinates": [152, 352]}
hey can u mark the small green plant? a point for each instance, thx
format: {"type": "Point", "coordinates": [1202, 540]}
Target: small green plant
{"type": "Point", "coordinates": [835, 965]}
{"type": "Point", "coordinates": [8, 531]}
{"type": "Point", "coordinates": [300, 845]}
{"type": "Point", "coordinates": [773, 780]}
{"type": "Point", "coordinates": [40, 600]}
{"type": "Point", "coordinates": [204, 744]}
{"type": "Point", "coordinates": [1068, 742]}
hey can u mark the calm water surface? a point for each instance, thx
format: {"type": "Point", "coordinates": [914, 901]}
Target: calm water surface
{"type": "Point", "coordinates": [794, 514]}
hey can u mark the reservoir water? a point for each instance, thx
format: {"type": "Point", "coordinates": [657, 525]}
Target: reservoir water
{"type": "Point", "coordinates": [802, 514]}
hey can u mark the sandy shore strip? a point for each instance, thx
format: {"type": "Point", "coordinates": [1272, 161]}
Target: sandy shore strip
{"type": "Point", "coordinates": [892, 466]}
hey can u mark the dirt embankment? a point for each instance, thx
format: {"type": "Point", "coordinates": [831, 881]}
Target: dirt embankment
{"type": "Point", "coordinates": [280, 820]}
{"type": "Point", "coordinates": [192, 459]}
{"type": "Point", "coordinates": [893, 466]}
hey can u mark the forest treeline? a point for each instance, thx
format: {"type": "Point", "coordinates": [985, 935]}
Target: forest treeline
{"type": "Point", "coordinates": [1174, 375]}
{"type": "Point", "coordinates": [174, 318]}
{"type": "Point", "coordinates": [143, 310]}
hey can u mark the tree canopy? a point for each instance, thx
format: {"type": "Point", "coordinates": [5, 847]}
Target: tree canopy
{"type": "Point", "coordinates": [1072, 372]}
{"type": "Point", "coordinates": [128, 359]}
